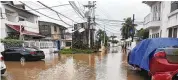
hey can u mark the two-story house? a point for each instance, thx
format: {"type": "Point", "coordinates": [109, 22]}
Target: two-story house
{"type": "Point", "coordinates": [18, 22]}
{"type": "Point", "coordinates": [15, 20]}
{"type": "Point", "coordinates": [53, 32]}
{"type": "Point", "coordinates": [162, 21]}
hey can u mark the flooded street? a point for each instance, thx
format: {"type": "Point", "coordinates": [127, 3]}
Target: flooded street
{"type": "Point", "coordinates": [99, 66]}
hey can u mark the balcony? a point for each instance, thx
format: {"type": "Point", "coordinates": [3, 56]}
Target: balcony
{"type": "Point", "coordinates": [33, 27]}
{"type": "Point", "coordinates": [152, 22]}
{"type": "Point", "coordinates": [172, 17]}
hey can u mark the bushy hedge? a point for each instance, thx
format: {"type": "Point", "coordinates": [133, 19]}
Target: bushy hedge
{"type": "Point", "coordinates": [11, 43]}
{"type": "Point", "coordinates": [73, 51]}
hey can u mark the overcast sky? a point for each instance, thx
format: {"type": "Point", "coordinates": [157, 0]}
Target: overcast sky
{"type": "Point", "coordinates": [105, 9]}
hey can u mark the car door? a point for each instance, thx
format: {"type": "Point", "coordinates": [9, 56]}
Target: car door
{"type": "Point", "coordinates": [17, 53]}
{"type": "Point", "coordinates": [8, 54]}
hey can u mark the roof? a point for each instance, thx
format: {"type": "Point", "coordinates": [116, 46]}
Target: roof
{"type": "Point", "coordinates": [150, 3]}
{"type": "Point", "coordinates": [25, 32]}
{"type": "Point", "coordinates": [53, 23]}
{"type": "Point", "coordinates": [21, 9]}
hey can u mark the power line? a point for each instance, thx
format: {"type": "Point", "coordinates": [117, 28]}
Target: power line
{"type": "Point", "coordinates": [39, 12]}
{"type": "Point", "coordinates": [106, 28]}
{"type": "Point", "coordinates": [56, 11]}
{"type": "Point", "coordinates": [50, 7]}
{"type": "Point", "coordinates": [81, 6]}
{"type": "Point", "coordinates": [110, 28]}
{"type": "Point", "coordinates": [76, 9]}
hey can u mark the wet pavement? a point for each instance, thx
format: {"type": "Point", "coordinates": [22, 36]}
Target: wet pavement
{"type": "Point", "coordinates": [98, 66]}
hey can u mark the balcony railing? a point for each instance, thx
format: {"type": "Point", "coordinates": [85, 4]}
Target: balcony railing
{"type": "Point", "coordinates": [152, 20]}
{"type": "Point", "coordinates": [152, 17]}
{"type": "Point", "coordinates": [147, 19]}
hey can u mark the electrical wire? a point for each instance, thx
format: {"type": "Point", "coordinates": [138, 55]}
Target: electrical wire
{"type": "Point", "coordinates": [39, 12]}
{"type": "Point", "coordinates": [76, 10]}
{"type": "Point", "coordinates": [51, 7]}
{"type": "Point", "coordinates": [56, 11]}
{"type": "Point", "coordinates": [105, 28]}
{"type": "Point", "coordinates": [72, 3]}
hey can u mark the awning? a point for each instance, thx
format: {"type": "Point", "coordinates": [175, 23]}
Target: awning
{"type": "Point", "coordinates": [25, 32]}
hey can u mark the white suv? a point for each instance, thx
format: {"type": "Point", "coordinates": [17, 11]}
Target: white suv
{"type": "Point", "coordinates": [3, 66]}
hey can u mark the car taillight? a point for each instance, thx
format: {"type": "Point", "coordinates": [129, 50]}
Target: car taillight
{"type": "Point", "coordinates": [160, 54]}
{"type": "Point", "coordinates": [2, 58]}
{"type": "Point", "coordinates": [32, 52]}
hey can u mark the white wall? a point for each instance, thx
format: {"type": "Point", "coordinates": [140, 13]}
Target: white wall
{"type": "Point", "coordinates": [166, 6]}
{"type": "Point", "coordinates": [165, 21]}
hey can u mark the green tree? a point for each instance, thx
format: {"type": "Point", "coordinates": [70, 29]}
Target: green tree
{"type": "Point", "coordinates": [127, 29]}
{"type": "Point", "coordinates": [100, 37]}
{"type": "Point", "coordinates": [142, 33]}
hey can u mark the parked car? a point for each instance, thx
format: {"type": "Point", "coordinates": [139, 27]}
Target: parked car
{"type": "Point", "coordinates": [3, 66]}
{"type": "Point", "coordinates": [159, 57]}
{"type": "Point", "coordinates": [22, 54]}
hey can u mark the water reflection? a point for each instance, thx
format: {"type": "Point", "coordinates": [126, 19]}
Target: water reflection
{"type": "Point", "coordinates": [97, 66]}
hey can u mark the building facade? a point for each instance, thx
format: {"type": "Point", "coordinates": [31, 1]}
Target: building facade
{"type": "Point", "coordinates": [162, 21]}
{"type": "Point", "coordinates": [82, 37]}
{"type": "Point", "coordinates": [53, 32]}
{"type": "Point", "coordinates": [16, 21]}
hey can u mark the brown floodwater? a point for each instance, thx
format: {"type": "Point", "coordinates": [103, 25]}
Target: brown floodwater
{"type": "Point", "coordinates": [98, 66]}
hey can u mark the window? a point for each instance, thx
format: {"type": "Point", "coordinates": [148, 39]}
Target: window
{"type": "Point", "coordinates": [174, 5]}
{"type": "Point", "coordinates": [21, 19]}
{"type": "Point", "coordinates": [170, 32]}
{"type": "Point", "coordinates": [175, 33]}
{"type": "Point", "coordinates": [68, 43]}
{"type": "Point", "coordinates": [160, 33]}
{"type": "Point", "coordinates": [55, 28]}
{"type": "Point", "coordinates": [1, 13]}
{"type": "Point", "coordinates": [156, 12]}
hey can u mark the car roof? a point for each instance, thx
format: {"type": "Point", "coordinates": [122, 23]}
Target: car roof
{"type": "Point", "coordinates": [15, 48]}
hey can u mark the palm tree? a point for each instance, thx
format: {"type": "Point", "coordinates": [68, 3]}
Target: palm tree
{"type": "Point", "coordinates": [100, 37]}
{"type": "Point", "coordinates": [127, 28]}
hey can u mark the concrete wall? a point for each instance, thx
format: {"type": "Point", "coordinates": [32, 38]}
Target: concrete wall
{"type": "Point", "coordinates": [166, 6]}
{"type": "Point", "coordinates": [30, 23]}
{"type": "Point", "coordinates": [168, 19]}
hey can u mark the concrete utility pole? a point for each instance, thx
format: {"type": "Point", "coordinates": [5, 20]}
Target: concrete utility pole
{"type": "Point", "coordinates": [133, 31]}
{"type": "Point", "coordinates": [90, 15]}
{"type": "Point", "coordinates": [104, 36]}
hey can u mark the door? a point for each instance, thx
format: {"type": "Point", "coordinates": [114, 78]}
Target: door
{"type": "Point", "coordinates": [17, 53]}
{"type": "Point", "coordinates": [8, 54]}
{"type": "Point", "coordinates": [58, 45]}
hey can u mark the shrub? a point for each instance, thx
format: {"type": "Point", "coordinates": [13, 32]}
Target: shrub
{"type": "Point", "coordinates": [73, 51]}
{"type": "Point", "coordinates": [11, 42]}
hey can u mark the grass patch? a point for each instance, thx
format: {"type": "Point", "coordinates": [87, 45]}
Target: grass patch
{"type": "Point", "coordinates": [73, 51]}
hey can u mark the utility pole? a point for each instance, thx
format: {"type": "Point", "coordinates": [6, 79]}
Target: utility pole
{"type": "Point", "coordinates": [89, 16]}
{"type": "Point", "coordinates": [104, 36]}
{"type": "Point", "coordinates": [133, 31]}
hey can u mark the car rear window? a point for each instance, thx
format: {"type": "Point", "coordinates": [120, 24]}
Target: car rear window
{"type": "Point", "coordinates": [172, 55]}
{"type": "Point", "coordinates": [31, 49]}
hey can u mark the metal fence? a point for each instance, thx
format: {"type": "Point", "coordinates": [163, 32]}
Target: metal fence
{"type": "Point", "coordinates": [40, 44]}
